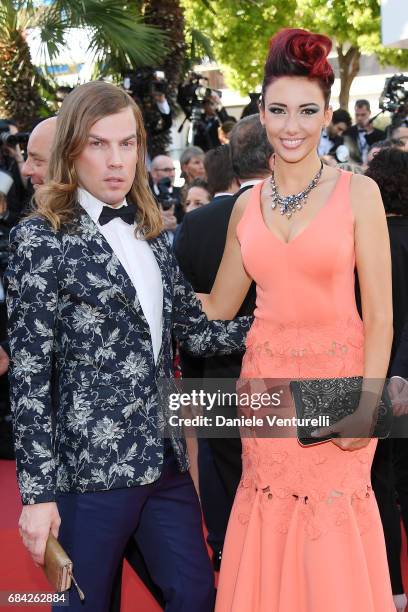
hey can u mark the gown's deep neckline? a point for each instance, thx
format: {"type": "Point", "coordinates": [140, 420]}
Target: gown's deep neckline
{"type": "Point", "coordinates": [311, 223]}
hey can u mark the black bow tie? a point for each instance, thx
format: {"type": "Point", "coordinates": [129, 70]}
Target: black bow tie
{"type": "Point", "coordinates": [126, 213]}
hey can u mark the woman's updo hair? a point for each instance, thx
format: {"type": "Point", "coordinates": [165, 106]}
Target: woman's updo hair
{"type": "Point", "coordinates": [296, 52]}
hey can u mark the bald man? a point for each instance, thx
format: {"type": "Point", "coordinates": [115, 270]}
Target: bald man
{"type": "Point", "coordinates": [38, 152]}
{"type": "Point", "coordinates": [163, 167]}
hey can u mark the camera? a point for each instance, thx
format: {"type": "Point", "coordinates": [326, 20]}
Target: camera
{"type": "Point", "coordinates": [145, 82]}
{"type": "Point", "coordinates": [11, 140]}
{"type": "Point", "coordinates": [192, 94]}
{"type": "Point", "coordinates": [394, 97]}
{"type": "Point", "coordinates": [165, 198]}
{"type": "Point", "coordinates": [191, 97]}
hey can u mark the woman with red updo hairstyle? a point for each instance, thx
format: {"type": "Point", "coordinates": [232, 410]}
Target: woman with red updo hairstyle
{"type": "Point", "coordinates": [305, 534]}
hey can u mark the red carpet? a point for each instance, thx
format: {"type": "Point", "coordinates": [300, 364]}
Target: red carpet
{"type": "Point", "coordinates": [18, 573]}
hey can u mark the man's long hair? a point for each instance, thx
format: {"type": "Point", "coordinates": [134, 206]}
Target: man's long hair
{"type": "Point", "coordinates": [56, 201]}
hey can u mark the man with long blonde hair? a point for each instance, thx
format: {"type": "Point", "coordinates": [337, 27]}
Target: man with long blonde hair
{"type": "Point", "coordinates": [94, 296]}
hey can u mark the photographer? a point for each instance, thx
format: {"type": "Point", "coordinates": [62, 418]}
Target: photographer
{"type": "Point", "coordinates": [168, 197]}
{"type": "Point", "coordinates": [394, 99]}
{"type": "Point", "coordinates": [363, 134]}
{"type": "Point", "coordinates": [332, 136]}
{"type": "Point", "coordinates": [148, 88]}
{"type": "Point", "coordinates": [11, 161]}
{"type": "Point", "coordinates": [212, 117]}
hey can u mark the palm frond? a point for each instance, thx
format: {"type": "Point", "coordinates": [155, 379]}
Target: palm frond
{"type": "Point", "coordinates": [114, 31]}
{"type": "Point", "coordinates": [8, 18]}
{"type": "Point", "coordinates": [199, 48]}
{"type": "Point", "coordinates": [208, 6]}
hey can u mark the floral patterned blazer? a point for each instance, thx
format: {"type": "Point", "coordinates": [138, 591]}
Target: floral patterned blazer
{"type": "Point", "coordinates": [83, 380]}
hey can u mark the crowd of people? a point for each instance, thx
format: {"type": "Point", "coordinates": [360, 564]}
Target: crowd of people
{"type": "Point", "coordinates": [283, 256]}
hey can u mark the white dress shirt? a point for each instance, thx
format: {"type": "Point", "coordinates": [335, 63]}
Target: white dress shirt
{"type": "Point", "coordinates": [363, 144]}
{"type": "Point", "coordinates": [138, 260]}
{"type": "Point", "coordinates": [325, 144]}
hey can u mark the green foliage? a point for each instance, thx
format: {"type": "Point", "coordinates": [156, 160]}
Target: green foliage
{"type": "Point", "coordinates": [354, 23]}
{"type": "Point", "coordinates": [117, 34]}
{"type": "Point", "coordinates": [241, 29]}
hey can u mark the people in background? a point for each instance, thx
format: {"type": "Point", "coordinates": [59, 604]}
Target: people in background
{"type": "Point", "coordinates": [362, 134]}
{"type": "Point", "coordinates": [192, 164]}
{"type": "Point", "coordinates": [389, 169]}
{"type": "Point", "coordinates": [211, 119]}
{"type": "Point", "coordinates": [197, 194]}
{"type": "Point", "coordinates": [332, 136]}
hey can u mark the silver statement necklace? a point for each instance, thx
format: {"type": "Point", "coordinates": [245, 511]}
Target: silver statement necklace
{"type": "Point", "coordinates": [291, 203]}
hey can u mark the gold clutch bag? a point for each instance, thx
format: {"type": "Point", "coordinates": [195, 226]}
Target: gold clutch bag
{"type": "Point", "coordinates": [58, 567]}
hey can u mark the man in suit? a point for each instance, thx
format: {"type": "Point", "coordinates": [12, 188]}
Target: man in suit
{"type": "Point", "coordinates": [162, 167]}
{"type": "Point", "coordinates": [398, 391]}
{"type": "Point", "coordinates": [332, 136]}
{"type": "Point", "coordinates": [35, 169]}
{"type": "Point", "coordinates": [359, 138]}
{"type": "Point", "coordinates": [94, 296]}
{"type": "Point", "coordinates": [199, 250]}
{"type": "Point", "coordinates": [206, 128]}
{"type": "Point", "coordinates": [221, 179]}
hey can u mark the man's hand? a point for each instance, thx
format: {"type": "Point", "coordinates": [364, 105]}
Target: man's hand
{"type": "Point", "coordinates": [216, 99]}
{"type": "Point", "coordinates": [398, 392]}
{"type": "Point", "coordinates": [14, 151]}
{"type": "Point", "coordinates": [169, 220]}
{"type": "Point", "coordinates": [159, 97]}
{"type": "Point", "coordinates": [35, 524]}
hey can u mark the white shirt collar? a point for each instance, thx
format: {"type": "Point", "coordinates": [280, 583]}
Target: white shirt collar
{"type": "Point", "coordinates": [251, 182]}
{"type": "Point", "coordinates": [92, 205]}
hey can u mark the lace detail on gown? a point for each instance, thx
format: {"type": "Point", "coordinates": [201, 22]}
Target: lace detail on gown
{"type": "Point", "coordinates": [321, 509]}
{"type": "Point", "coordinates": [324, 349]}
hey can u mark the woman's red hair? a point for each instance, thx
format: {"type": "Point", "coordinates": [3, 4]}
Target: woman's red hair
{"type": "Point", "coordinates": [296, 52]}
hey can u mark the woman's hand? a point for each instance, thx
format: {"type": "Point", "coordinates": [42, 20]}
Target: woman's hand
{"type": "Point", "coordinates": [354, 431]}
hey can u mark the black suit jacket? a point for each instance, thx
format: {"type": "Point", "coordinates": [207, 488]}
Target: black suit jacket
{"type": "Point", "coordinates": [199, 249]}
{"type": "Point", "coordinates": [351, 140]}
{"type": "Point", "coordinates": [206, 130]}
{"type": "Point", "coordinates": [399, 365]}
{"type": "Point", "coordinates": [398, 230]}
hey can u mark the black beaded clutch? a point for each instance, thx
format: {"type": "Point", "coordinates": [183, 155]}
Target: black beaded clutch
{"type": "Point", "coordinates": [324, 401]}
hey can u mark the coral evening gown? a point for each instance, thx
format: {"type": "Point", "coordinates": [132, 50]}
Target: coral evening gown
{"type": "Point", "coordinates": [304, 534]}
